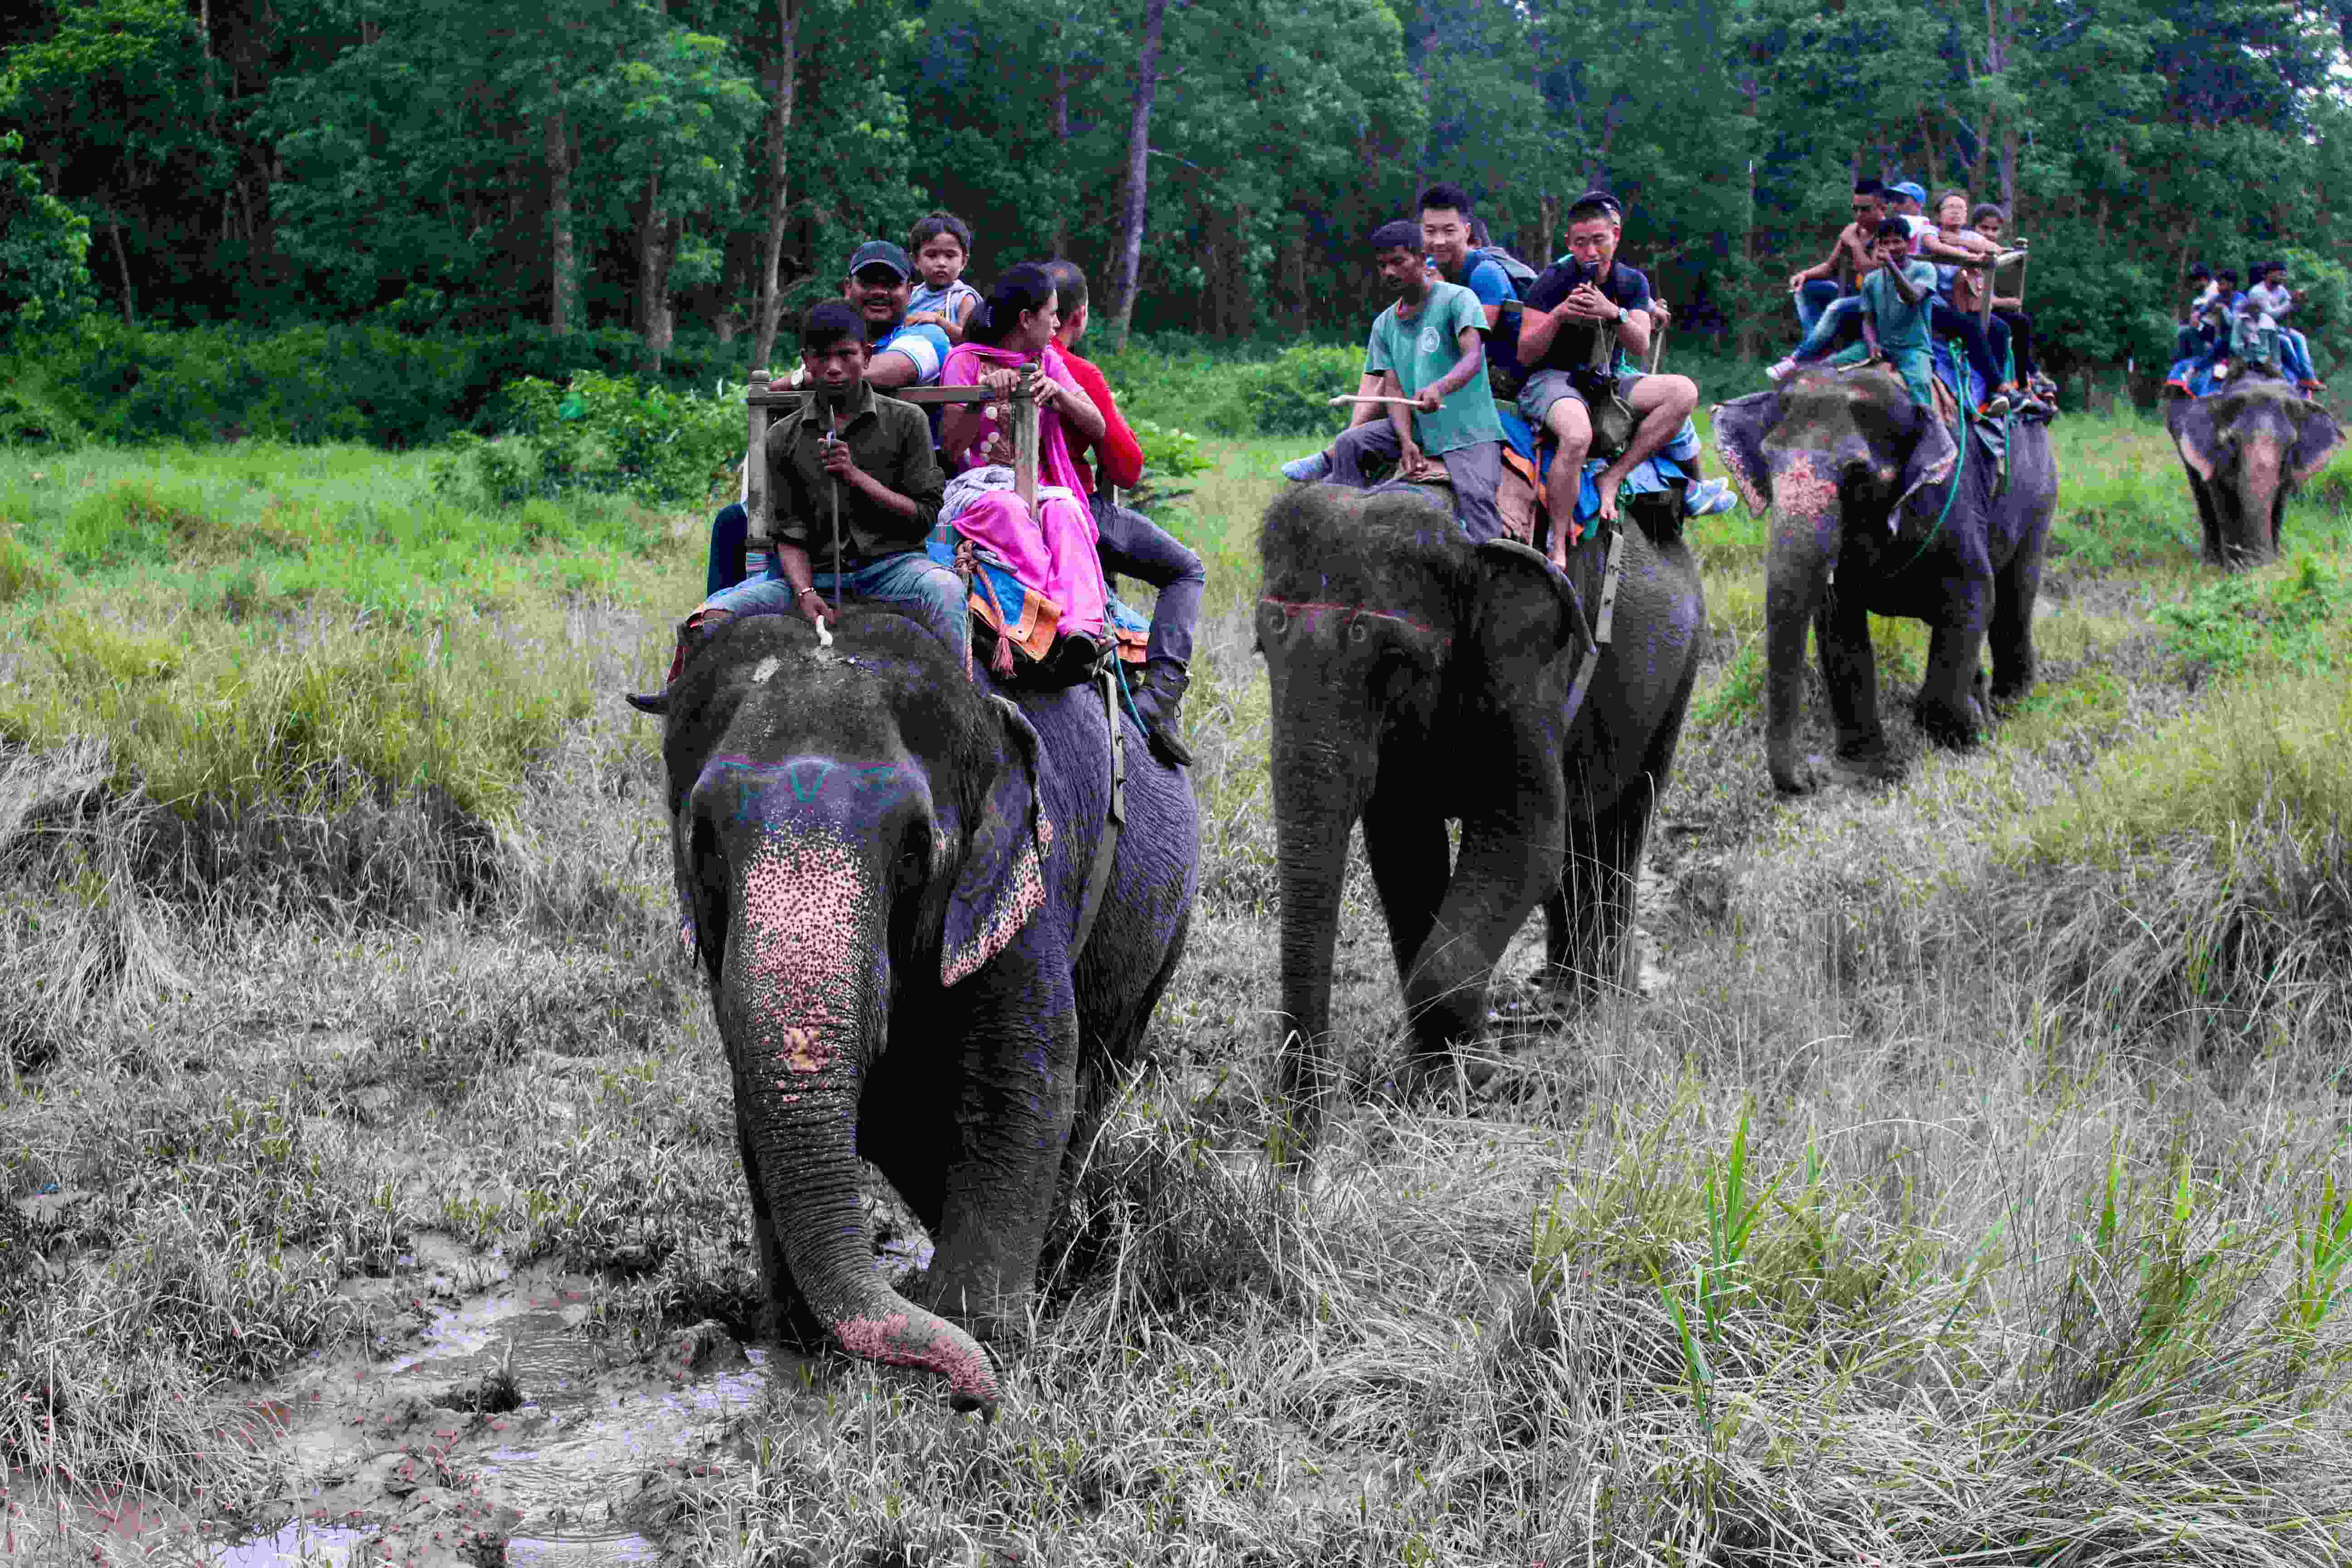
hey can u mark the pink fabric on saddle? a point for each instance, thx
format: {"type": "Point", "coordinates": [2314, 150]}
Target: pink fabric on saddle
{"type": "Point", "coordinates": [1053, 552]}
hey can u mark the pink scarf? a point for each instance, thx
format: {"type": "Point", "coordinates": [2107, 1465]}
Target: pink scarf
{"type": "Point", "coordinates": [1054, 552]}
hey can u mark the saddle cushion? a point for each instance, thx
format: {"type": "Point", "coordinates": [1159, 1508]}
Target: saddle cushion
{"type": "Point", "coordinates": [1005, 606]}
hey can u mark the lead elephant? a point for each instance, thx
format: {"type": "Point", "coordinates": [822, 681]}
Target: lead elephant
{"type": "Point", "coordinates": [884, 866]}
{"type": "Point", "coordinates": [2246, 449]}
{"type": "Point", "coordinates": [1418, 680]}
{"type": "Point", "coordinates": [1876, 510]}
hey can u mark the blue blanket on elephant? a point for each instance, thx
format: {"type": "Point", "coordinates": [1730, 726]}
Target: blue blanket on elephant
{"type": "Point", "coordinates": [1649, 477]}
{"type": "Point", "coordinates": [2197, 375]}
{"type": "Point", "coordinates": [1018, 613]}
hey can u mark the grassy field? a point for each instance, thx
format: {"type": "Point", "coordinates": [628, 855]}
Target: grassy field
{"type": "Point", "coordinates": [1969, 1184]}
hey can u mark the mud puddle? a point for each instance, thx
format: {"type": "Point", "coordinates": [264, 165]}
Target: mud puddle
{"type": "Point", "coordinates": [507, 1431]}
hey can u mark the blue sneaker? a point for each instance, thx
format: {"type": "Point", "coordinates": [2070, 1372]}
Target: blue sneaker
{"type": "Point", "coordinates": [1708, 497]}
{"type": "Point", "coordinates": [1308, 471]}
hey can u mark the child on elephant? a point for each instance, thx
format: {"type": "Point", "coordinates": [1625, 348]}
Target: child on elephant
{"type": "Point", "coordinates": [1895, 300]}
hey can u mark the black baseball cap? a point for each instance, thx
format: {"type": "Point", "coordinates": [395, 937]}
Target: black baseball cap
{"type": "Point", "coordinates": [879, 253]}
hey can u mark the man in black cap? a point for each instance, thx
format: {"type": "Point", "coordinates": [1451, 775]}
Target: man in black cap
{"type": "Point", "coordinates": [877, 286]}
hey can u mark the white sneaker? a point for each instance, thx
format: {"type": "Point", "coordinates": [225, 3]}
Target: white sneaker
{"type": "Point", "coordinates": [1308, 471]}
{"type": "Point", "coordinates": [1708, 497]}
{"type": "Point", "coordinates": [1780, 371]}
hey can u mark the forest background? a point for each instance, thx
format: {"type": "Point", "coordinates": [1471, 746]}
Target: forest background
{"type": "Point", "coordinates": [648, 185]}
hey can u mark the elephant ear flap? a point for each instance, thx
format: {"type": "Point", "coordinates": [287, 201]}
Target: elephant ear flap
{"type": "Point", "coordinates": [1739, 428]}
{"type": "Point", "coordinates": [2199, 435]}
{"type": "Point", "coordinates": [2316, 437]}
{"type": "Point", "coordinates": [1932, 458]}
{"type": "Point", "coordinates": [1002, 882]}
{"type": "Point", "coordinates": [1528, 605]}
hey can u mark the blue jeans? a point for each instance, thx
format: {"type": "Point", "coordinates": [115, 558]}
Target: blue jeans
{"type": "Point", "coordinates": [2294, 354]}
{"type": "Point", "coordinates": [730, 559]}
{"type": "Point", "coordinates": [1822, 336]}
{"type": "Point", "coordinates": [933, 593]}
{"type": "Point", "coordinates": [1816, 296]}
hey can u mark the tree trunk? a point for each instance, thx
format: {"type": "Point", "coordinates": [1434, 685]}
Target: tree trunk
{"type": "Point", "coordinates": [657, 233]}
{"type": "Point", "coordinates": [559, 222]}
{"type": "Point", "coordinates": [123, 265]}
{"type": "Point", "coordinates": [1139, 146]}
{"type": "Point", "coordinates": [1061, 138]}
{"type": "Point", "coordinates": [769, 304]}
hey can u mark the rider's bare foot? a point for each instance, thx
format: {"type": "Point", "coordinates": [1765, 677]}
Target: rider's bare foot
{"type": "Point", "coordinates": [1606, 483]}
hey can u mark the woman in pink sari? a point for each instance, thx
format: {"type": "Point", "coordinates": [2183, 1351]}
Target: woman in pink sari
{"type": "Point", "coordinates": [1052, 552]}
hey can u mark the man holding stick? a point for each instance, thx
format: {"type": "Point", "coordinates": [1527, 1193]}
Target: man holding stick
{"type": "Point", "coordinates": [1425, 349]}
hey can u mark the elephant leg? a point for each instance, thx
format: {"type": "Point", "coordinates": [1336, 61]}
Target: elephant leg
{"type": "Point", "coordinates": [1019, 1096]}
{"type": "Point", "coordinates": [1850, 671]}
{"type": "Point", "coordinates": [1496, 880]}
{"type": "Point", "coordinates": [2017, 588]}
{"type": "Point", "coordinates": [2208, 519]}
{"type": "Point", "coordinates": [1404, 842]}
{"type": "Point", "coordinates": [1948, 709]}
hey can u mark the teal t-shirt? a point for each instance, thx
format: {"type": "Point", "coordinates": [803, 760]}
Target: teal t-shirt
{"type": "Point", "coordinates": [1900, 326]}
{"type": "Point", "coordinates": [1421, 352]}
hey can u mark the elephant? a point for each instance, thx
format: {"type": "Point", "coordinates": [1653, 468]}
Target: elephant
{"type": "Point", "coordinates": [1876, 510]}
{"type": "Point", "coordinates": [2245, 449]}
{"type": "Point", "coordinates": [1419, 679]}
{"type": "Point", "coordinates": [883, 865]}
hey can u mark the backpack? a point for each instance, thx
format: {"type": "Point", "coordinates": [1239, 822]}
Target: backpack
{"type": "Point", "coordinates": [1518, 271]}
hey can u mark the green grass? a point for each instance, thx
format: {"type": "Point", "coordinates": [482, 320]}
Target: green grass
{"type": "Point", "coordinates": [1970, 1189]}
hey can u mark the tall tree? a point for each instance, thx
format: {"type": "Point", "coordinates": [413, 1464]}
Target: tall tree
{"type": "Point", "coordinates": [1138, 171]}
{"type": "Point", "coordinates": [783, 76]}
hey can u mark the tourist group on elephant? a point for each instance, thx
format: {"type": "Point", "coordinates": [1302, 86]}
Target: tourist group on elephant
{"type": "Point", "coordinates": [932, 825]}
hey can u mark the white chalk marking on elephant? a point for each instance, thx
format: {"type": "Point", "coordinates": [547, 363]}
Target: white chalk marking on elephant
{"type": "Point", "coordinates": [764, 669]}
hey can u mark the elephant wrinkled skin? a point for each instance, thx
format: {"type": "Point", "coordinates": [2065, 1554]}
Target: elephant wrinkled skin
{"type": "Point", "coordinates": [1832, 459]}
{"type": "Point", "coordinates": [1418, 680]}
{"type": "Point", "coordinates": [2246, 449]}
{"type": "Point", "coordinates": [883, 866]}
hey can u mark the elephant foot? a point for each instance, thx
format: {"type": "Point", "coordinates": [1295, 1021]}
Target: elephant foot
{"type": "Point", "coordinates": [1002, 1326]}
{"type": "Point", "coordinates": [2005, 699]}
{"type": "Point", "coordinates": [1955, 727]}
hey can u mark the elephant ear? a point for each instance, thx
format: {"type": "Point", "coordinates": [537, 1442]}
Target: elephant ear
{"type": "Point", "coordinates": [2317, 436]}
{"type": "Point", "coordinates": [1526, 603]}
{"type": "Point", "coordinates": [1741, 427]}
{"type": "Point", "coordinates": [1932, 457]}
{"type": "Point", "coordinates": [2198, 433]}
{"type": "Point", "coordinates": [1003, 881]}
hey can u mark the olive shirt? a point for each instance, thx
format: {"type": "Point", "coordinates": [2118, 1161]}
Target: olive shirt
{"type": "Point", "coordinates": [890, 440]}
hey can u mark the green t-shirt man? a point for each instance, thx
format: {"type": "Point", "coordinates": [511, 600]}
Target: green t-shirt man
{"type": "Point", "coordinates": [1421, 349]}
{"type": "Point", "coordinates": [1901, 328]}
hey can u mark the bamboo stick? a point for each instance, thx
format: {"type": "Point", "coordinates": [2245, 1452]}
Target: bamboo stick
{"type": "Point", "coordinates": [1026, 441]}
{"type": "Point", "coordinates": [755, 460]}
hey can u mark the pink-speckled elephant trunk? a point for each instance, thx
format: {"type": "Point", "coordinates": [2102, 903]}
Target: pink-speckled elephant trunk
{"type": "Point", "coordinates": [800, 999]}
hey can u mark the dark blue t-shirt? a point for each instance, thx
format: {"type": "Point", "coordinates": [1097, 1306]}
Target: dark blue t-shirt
{"type": "Point", "coordinates": [1571, 346]}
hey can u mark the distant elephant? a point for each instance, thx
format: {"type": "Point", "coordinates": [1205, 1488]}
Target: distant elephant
{"type": "Point", "coordinates": [2245, 449]}
{"type": "Point", "coordinates": [1875, 510]}
{"type": "Point", "coordinates": [1419, 679]}
{"type": "Point", "coordinates": [883, 866]}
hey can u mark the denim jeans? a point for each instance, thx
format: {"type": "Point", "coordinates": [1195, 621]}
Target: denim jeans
{"type": "Point", "coordinates": [1132, 545]}
{"type": "Point", "coordinates": [933, 593]}
{"type": "Point", "coordinates": [2294, 354]}
{"type": "Point", "coordinates": [1822, 336]}
{"type": "Point", "coordinates": [1816, 296]}
{"type": "Point", "coordinates": [731, 559]}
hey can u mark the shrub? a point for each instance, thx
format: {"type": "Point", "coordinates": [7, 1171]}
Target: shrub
{"type": "Point", "coordinates": [604, 434]}
{"type": "Point", "coordinates": [1292, 396]}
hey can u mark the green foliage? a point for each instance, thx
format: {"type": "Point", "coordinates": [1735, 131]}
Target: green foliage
{"type": "Point", "coordinates": [2236, 622]}
{"type": "Point", "coordinates": [44, 252]}
{"type": "Point", "coordinates": [602, 434]}
{"type": "Point", "coordinates": [1292, 396]}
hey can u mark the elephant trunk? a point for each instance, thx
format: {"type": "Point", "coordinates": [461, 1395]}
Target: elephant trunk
{"type": "Point", "coordinates": [1808, 532]}
{"type": "Point", "coordinates": [802, 993]}
{"type": "Point", "coordinates": [2261, 471]}
{"type": "Point", "coordinates": [1318, 793]}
